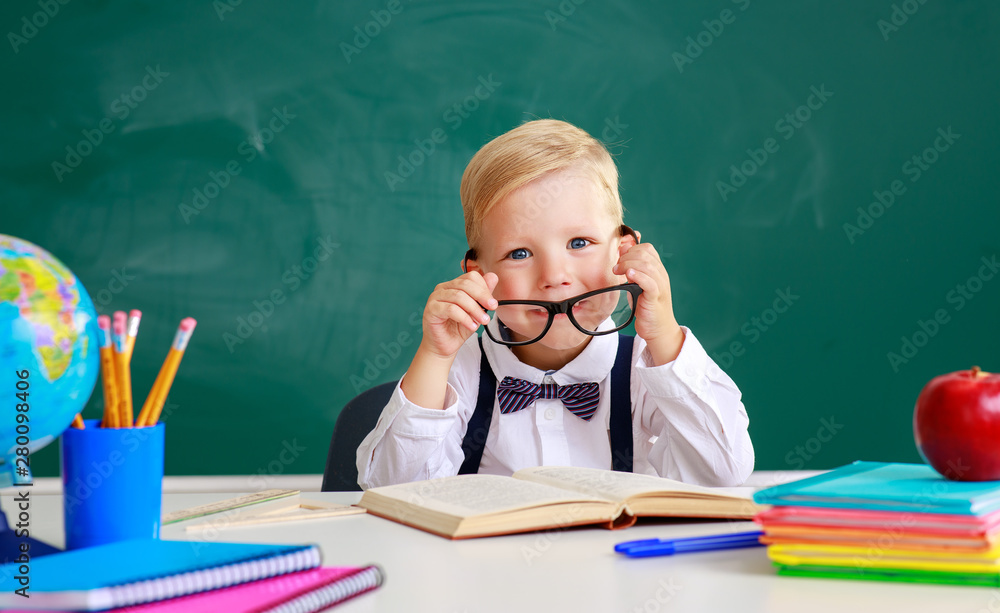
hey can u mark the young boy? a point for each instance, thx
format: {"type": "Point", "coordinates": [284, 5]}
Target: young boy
{"type": "Point", "coordinates": [543, 218]}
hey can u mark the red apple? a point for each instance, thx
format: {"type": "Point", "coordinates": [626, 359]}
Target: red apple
{"type": "Point", "coordinates": [956, 424]}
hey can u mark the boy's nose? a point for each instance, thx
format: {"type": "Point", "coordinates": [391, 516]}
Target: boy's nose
{"type": "Point", "coordinates": [555, 272]}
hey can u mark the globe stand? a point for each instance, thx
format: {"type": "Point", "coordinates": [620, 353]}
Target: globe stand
{"type": "Point", "coordinates": [12, 545]}
{"type": "Point", "coordinates": [7, 473]}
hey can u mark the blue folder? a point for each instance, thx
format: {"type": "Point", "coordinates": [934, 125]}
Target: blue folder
{"type": "Point", "coordinates": [880, 486]}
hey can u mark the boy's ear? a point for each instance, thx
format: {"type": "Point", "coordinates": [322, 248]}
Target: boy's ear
{"type": "Point", "coordinates": [469, 263]}
{"type": "Point", "coordinates": [630, 238]}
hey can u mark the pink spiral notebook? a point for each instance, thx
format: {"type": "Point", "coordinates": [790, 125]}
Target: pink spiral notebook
{"type": "Point", "coordinates": [305, 591]}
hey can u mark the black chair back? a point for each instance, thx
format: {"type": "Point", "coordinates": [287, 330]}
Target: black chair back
{"type": "Point", "coordinates": [355, 421]}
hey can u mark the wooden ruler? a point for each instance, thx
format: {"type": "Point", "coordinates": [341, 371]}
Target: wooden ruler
{"type": "Point", "coordinates": [294, 510]}
{"type": "Point", "coordinates": [226, 505]}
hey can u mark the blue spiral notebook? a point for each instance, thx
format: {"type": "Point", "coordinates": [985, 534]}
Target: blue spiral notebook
{"type": "Point", "coordinates": [881, 486]}
{"type": "Point", "coordinates": [134, 572]}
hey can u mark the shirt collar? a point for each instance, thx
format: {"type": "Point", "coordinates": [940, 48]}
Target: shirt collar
{"type": "Point", "coordinates": [593, 364]}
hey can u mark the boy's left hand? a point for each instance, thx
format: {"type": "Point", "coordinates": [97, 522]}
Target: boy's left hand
{"type": "Point", "coordinates": [654, 313]}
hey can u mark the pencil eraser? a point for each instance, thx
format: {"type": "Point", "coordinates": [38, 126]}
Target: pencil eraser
{"type": "Point", "coordinates": [119, 327]}
{"type": "Point", "coordinates": [120, 316]}
{"type": "Point", "coordinates": [188, 324]}
{"type": "Point", "coordinates": [134, 313]}
{"type": "Point", "coordinates": [103, 322]}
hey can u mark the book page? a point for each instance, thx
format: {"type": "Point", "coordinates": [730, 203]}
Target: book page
{"type": "Point", "coordinates": [471, 495]}
{"type": "Point", "coordinates": [620, 486]}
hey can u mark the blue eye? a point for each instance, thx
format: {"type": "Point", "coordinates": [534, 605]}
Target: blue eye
{"type": "Point", "coordinates": [578, 243]}
{"type": "Point", "coordinates": [518, 254]}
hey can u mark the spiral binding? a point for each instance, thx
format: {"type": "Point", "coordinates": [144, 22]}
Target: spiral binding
{"type": "Point", "coordinates": [317, 600]}
{"type": "Point", "coordinates": [213, 578]}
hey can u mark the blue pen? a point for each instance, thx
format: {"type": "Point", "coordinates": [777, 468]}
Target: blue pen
{"type": "Point", "coordinates": [660, 547]}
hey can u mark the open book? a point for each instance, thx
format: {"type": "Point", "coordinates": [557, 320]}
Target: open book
{"type": "Point", "coordinates": [546, 497]}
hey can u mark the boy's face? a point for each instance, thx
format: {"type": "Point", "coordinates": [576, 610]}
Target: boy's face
{"type": "Point", "coordinates": [550, 240]}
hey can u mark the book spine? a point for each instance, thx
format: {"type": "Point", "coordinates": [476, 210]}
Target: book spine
{"type": "Point", "coordinates": [213, 578]}
{"type": "Point", "coordinates": [367, 579]}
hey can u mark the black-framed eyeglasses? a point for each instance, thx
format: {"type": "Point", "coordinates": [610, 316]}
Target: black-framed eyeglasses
{"type": "Point", "coordinates": [587, 312]}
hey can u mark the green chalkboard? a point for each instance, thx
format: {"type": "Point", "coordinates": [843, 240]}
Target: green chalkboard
{"type": "Point", "coordinates": [820, 178]}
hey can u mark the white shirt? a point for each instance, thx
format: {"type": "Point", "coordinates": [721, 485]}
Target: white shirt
{"type": "Point", "coordinates": [688, 422]}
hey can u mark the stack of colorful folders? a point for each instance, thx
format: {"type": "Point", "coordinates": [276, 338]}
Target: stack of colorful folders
{"type": "Point", "coordinates": [885, 522]}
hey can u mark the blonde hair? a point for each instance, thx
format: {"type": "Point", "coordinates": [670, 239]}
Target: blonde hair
{"type": "Point", "coordinates": [529, 152]}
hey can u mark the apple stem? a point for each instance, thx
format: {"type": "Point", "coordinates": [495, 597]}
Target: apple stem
{"type": "Point", "coordinates": [975, 372]}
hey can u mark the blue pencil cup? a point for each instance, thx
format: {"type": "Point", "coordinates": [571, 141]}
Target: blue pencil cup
{"type": "Point", "coordinates": [112, 483]}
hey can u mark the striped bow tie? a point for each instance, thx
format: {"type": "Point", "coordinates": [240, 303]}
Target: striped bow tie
{"type": "Point", "coordinates": [579, 398]}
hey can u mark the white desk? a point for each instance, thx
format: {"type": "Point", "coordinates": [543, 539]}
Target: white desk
{"type": "Point", "coordinates": [572, 570]}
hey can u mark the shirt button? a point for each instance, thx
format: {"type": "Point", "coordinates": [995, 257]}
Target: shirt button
{"type": "Point", "coordinates": [550, 414]}
{"type": "Point", "coordinates": [547, 379]}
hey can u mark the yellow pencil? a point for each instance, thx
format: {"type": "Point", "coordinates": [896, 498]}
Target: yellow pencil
{"type": "Point", "coordinates": [158, 394]}
{"type": "Point", "coordinates": [134, 316]}
{"type": "Point", "coordinates": [157, 397]}
{"type": "Point", "coordinates": [78, 422]}
{"type": "Point", "coordinates": [110, 385]}
{"type": "Point", "coordinates": [124, 373]}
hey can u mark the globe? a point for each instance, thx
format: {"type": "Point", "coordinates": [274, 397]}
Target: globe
{"type": "Point", "coordinates": [49, 354]}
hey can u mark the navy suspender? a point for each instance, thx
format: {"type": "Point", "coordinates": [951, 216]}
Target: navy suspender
{"type": "Point", "coordinates": [621, 411]}
{"type": "Point", "coordinates": [621, 406]}
{"type": "Point", "coordinates": [479, 425]}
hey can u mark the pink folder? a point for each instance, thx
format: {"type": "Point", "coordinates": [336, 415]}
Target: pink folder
{"type": "Point", "coordinates": [910, 522]}
{"type": "Point", "coordinates": [307, 591]}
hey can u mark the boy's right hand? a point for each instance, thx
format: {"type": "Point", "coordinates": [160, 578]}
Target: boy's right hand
{"type": "Point", "coordinates": [453, 312]}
